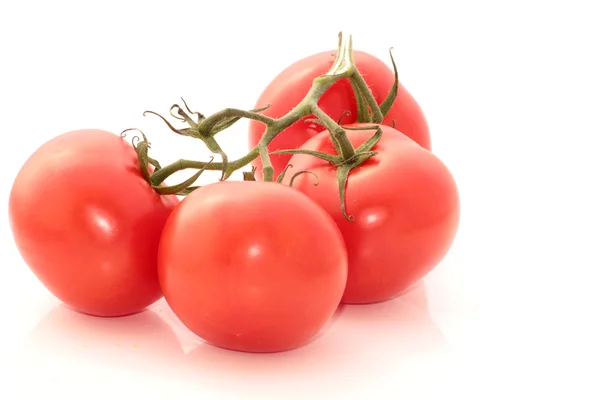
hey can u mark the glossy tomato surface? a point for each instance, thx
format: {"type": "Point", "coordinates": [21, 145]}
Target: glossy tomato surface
{"type": "Point", "coordinates": [252, 266]}
{"type": "Point", "coordinates": [405, 206]}
{"type": "Point", "coordinates": [87, 223]}
{"type": "Point", "coordinates": [288, 88]}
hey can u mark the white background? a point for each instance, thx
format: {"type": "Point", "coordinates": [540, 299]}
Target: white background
{"type": "Point", "coordinates": [511, 91]}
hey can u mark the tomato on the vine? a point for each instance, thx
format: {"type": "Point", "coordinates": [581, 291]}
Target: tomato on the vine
{"type": "Point", "coordinates": [405, 206]}
{"type": "Point", "coordinates": [88, 224]}
{"type": "Point", "coordinates": [288, 88]}
{"type": "Point", "coordinates": [252, 266]}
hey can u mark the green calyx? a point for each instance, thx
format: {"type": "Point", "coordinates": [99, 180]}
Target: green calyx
{"type": "Point", "coordinates": [344, 164]}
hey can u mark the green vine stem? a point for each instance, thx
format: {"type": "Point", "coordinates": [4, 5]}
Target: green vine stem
{"type": "Point", "coordinates": [365, 106]}
{"type": "Point", "coordinates": [206, 128]}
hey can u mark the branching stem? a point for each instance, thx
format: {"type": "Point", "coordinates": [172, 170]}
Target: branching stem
{"type": "Point", "coordinates": [205, 129]}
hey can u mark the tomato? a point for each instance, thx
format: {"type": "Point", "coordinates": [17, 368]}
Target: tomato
{"type": "Point", "coordinates": [405, 206]}
{"type": "Point", "coordinates": [252, 266]}
{"type": "Point", "coordinates": [87, 223]}
{"type": "Point", "coordinates": [288, 88]}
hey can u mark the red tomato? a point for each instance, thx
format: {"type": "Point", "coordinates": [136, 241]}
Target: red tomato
{"type": "Point", "coordinates": [289, 87]}
{"type": "Point", "coordinates": [406, 208]}
{"type": "Point", "coordinates": [87, 223]}
{"type": "Point", "coordinates": [252, 266]}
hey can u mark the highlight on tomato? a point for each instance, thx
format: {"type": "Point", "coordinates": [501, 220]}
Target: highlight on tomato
{"type": "Point", "coordinates": [87, 223]}
{"type": "Point", "coordinates": [252, 266]}
{"type": "Point", "coordinates": [401, 208]}
{"type": "Point", "coordinates": [290, 86]}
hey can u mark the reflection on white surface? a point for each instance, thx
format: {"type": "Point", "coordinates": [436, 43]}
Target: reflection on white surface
{"type": "Point", "coordinates": [141, 341]}
{"type": "Point", "coordinates": [393, 336]}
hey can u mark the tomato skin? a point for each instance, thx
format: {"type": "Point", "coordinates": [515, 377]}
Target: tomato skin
{"type": "Point", "coordinates": [87, 223]}
{"type": "Point", "coordinates": [288, 88]}
{"type": "Point", "coordinates": [406, 208]}
{"type": "Point", "coordinates": [252, 266]}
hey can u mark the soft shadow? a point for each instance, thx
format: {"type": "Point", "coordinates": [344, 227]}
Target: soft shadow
{"type": "Point", "coordinates": [361, 339]}
{"type": "Point", "coordinates": [139, 342]}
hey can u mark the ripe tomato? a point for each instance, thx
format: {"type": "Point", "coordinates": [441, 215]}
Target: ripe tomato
{"type": "Point", "coordinates": [252, 266]}
{"type": "Point", "coordinates": [405, 206]}
{"type": "Point", "coordinates": [288, 88]}
{"type": "Point", "coordinates": [87, 223]}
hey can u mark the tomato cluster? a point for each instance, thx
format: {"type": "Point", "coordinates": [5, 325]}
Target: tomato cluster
{"type": "Point", "coordinates": [255, 265]}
